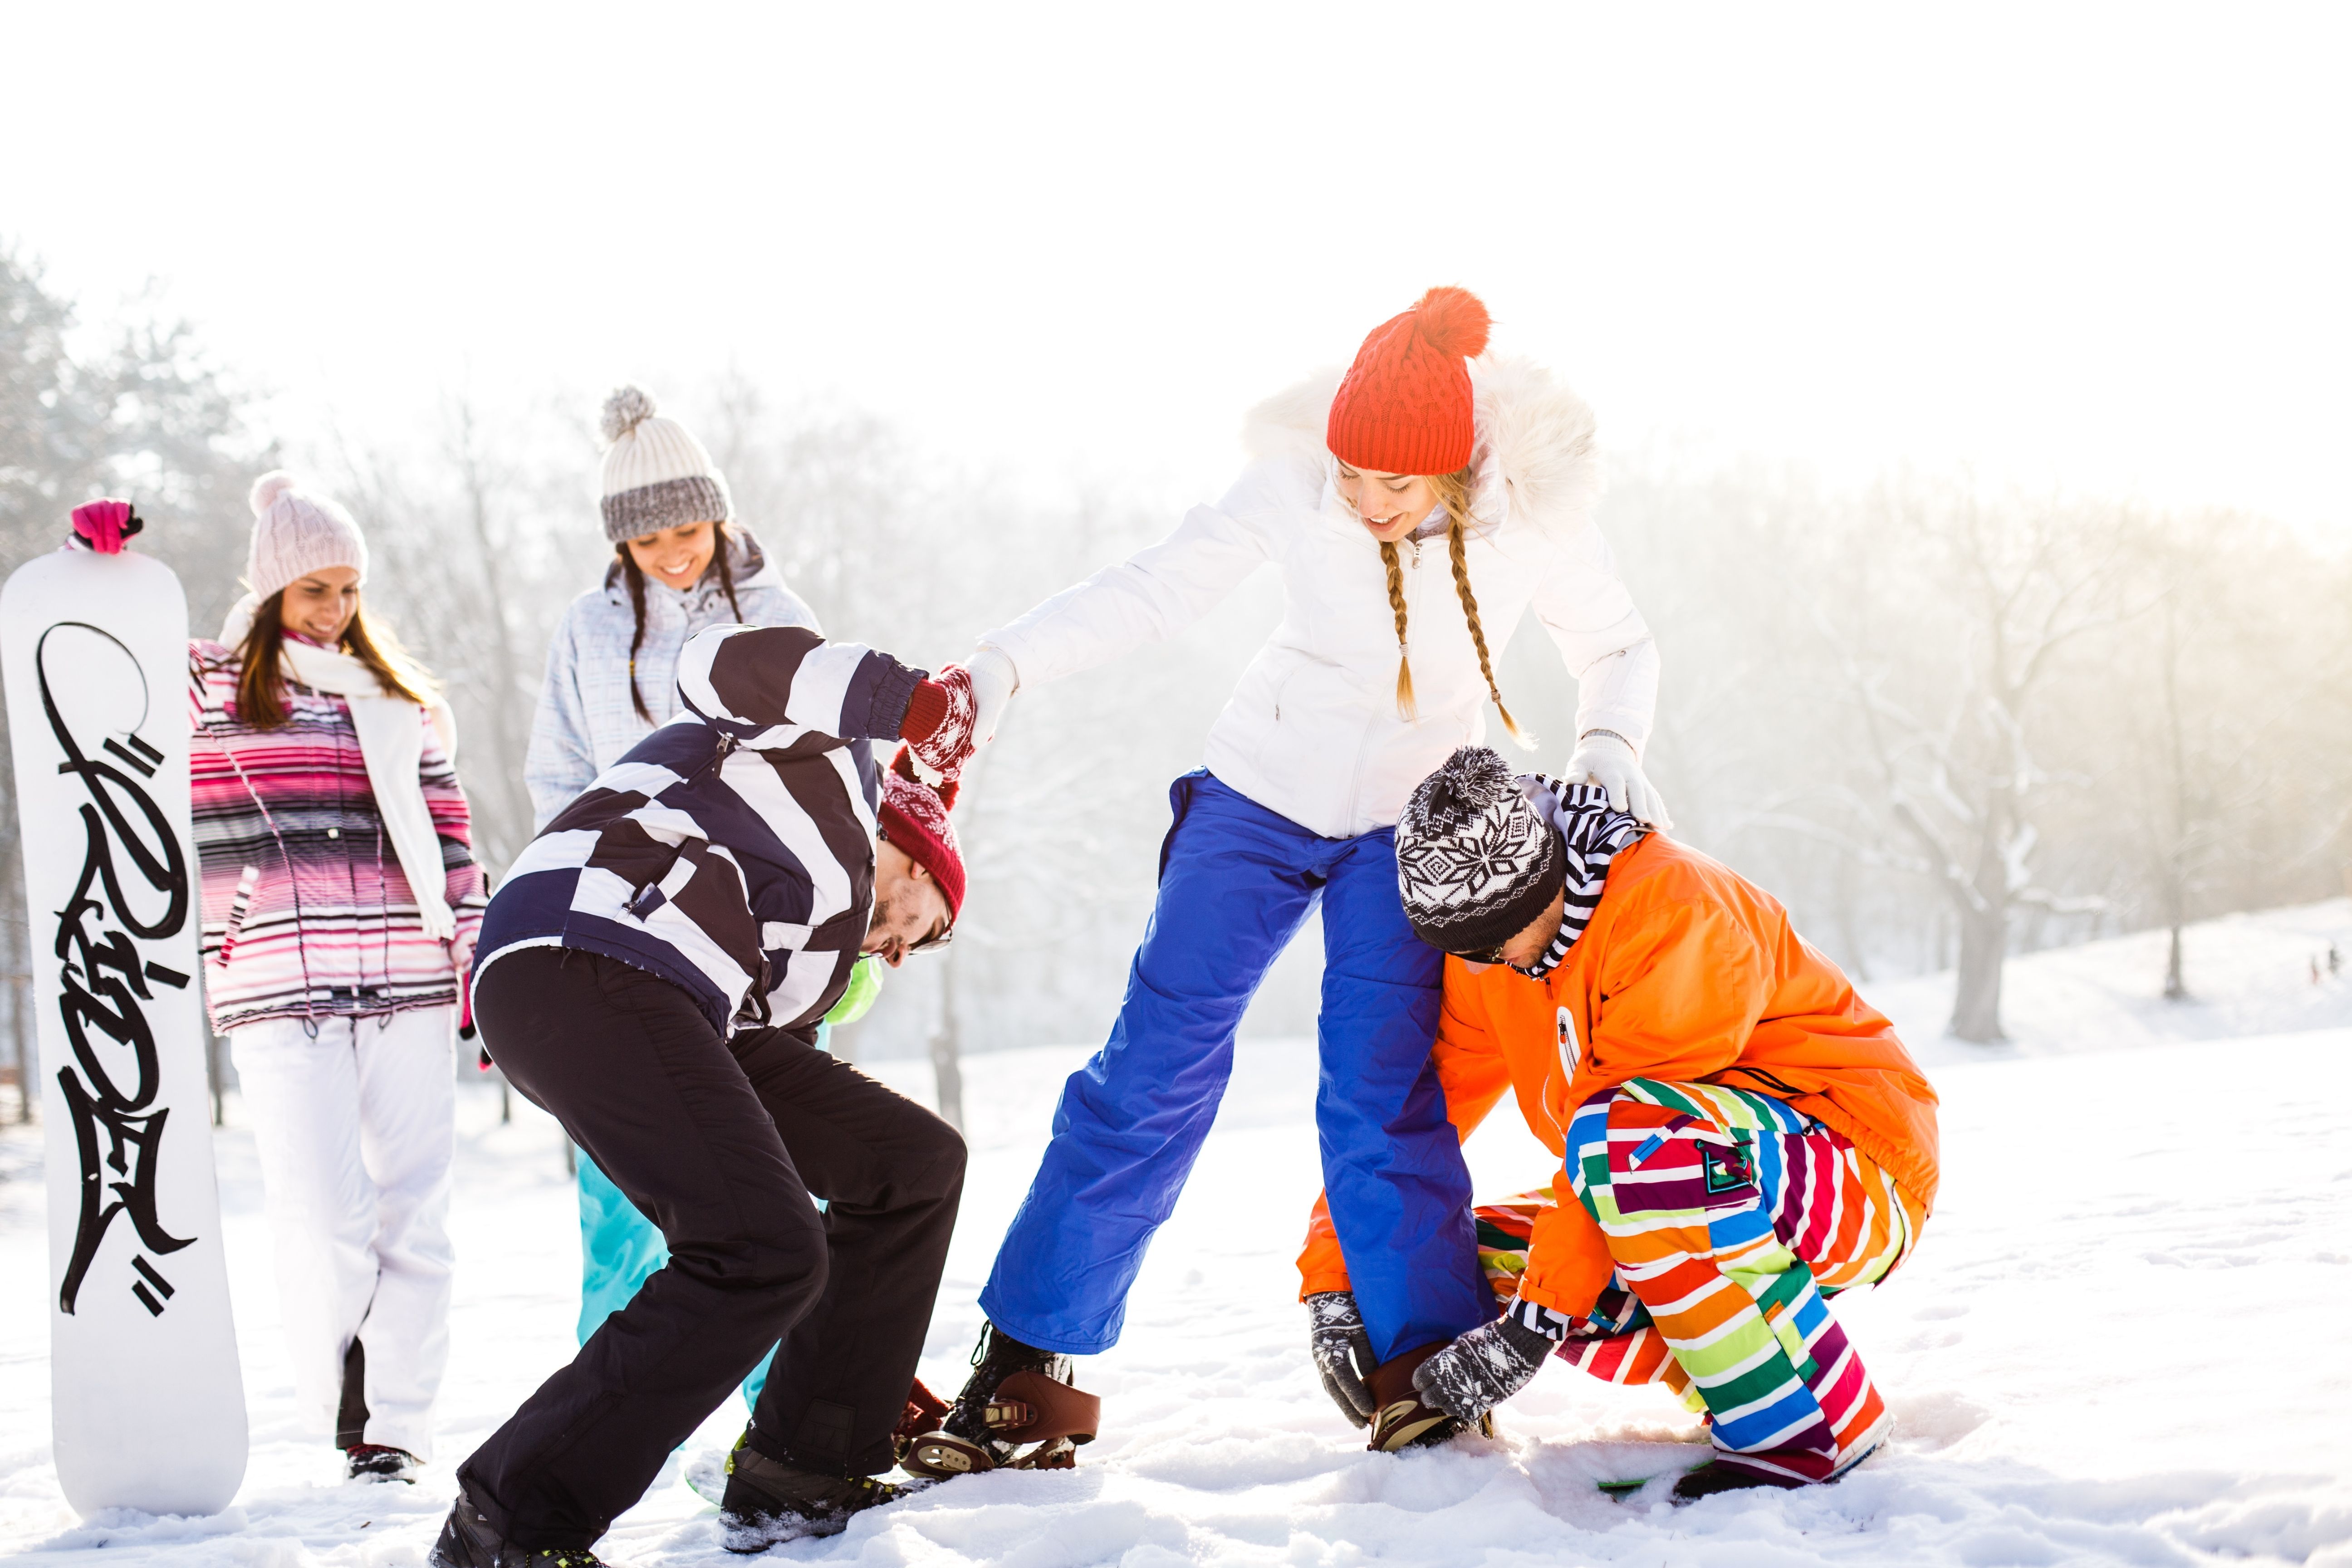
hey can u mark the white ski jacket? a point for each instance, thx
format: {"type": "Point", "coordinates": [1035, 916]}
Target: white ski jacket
{"type": "Point", "coordinates": [1312, 731]}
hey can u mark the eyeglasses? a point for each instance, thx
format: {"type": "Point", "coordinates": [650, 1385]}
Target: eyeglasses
{"type": "Point", "coordinates": [1484, 955]}
{"type": "Point", "coordinates": [933, 943]}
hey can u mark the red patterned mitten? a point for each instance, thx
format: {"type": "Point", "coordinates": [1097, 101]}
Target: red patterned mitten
{"type": "Point", "coordinates": [940, 721]}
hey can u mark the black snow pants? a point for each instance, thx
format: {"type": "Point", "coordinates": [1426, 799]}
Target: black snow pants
{"type": "Point", "coordinates": [720, 1143]}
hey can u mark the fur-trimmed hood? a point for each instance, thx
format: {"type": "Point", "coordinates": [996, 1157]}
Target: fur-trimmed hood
{"type": "Point", "coordinates": [1536, 455]}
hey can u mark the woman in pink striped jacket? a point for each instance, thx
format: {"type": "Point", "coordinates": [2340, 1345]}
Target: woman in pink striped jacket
{"type": "Point", "coordinates": [341, 901]}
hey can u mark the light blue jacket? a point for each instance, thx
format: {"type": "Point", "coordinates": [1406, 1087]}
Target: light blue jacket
{"type": "Point", "coordinates": [585, 720]}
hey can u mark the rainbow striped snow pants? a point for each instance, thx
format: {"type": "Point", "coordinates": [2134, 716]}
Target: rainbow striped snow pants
{"type": "Point", "coordinates": [1731, 1217]}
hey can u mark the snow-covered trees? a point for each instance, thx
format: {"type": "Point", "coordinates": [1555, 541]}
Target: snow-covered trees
{"type": "Point", "coordinates": [2228, 733]}
{"type": "Point", "coordinates": [145, 415]}
{"type": "Point", "coordinates": [1997, 593]}
{"type": "Point", "coordinates": [1946, 721]}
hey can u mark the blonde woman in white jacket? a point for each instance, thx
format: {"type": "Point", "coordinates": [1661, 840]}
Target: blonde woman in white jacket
{"type": "Point", "coordinates": [1418, 508]}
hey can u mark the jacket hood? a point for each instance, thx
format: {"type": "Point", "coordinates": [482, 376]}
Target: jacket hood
{"type": "Point", "coordinates": [1537, 457]}
{"type": "Point", "coordinates": [743, 554]}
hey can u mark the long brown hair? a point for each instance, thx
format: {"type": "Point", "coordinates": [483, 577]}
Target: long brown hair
{"type": "Point", "coordinates": [722, 535]}
{"type": "Point", "coordinates": [1453, 495]}
{"type": "Point", "coordinates": [261, 679]}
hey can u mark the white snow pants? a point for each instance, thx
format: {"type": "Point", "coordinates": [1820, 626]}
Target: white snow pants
{"type": "Point", "coordinates": [355, 1129]}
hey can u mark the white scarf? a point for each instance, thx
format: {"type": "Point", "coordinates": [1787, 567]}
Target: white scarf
{"type": "Point", "coordinates": [391, 744]}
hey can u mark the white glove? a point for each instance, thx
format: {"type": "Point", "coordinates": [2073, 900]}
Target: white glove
{"type": "Point", "coordinates": [993, 682]}
{"type": "Point", "coordinates": [1608, 760]}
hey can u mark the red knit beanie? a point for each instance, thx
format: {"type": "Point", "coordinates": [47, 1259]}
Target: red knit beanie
{"type": "Point", "coordinates": [915, 819]}
{"type": "Point", "coordinates": [1405, 405]}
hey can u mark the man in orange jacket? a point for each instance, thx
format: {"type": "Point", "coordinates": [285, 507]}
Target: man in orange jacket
{"type": "Point", "coordinates": [1741, 1134]}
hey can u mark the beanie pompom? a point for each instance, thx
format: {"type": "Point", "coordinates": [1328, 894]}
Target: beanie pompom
{"type": "Point", "coordinates": [267, 489]}
{"type": "Point", "coordinates": [1471, 781]}
{"type": "Point", "coordinates": [1453, 321]}
{"type": "Point", "coordinates": [624, 411]}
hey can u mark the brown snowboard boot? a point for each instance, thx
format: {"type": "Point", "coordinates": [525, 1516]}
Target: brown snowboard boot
{"type": "Point", "coordinates": [1402, 1418]}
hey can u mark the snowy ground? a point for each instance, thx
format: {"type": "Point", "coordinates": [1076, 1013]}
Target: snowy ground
{"type": "Point", "coordinates": [2124, 1339]}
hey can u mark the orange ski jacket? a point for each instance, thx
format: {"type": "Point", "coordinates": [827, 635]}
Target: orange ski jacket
{"type": "Point", "coordinates": [1688, 972]}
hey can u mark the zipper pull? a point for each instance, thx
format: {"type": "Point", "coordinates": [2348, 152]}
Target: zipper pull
{"type": "Point", "coordinates": [719, 755]}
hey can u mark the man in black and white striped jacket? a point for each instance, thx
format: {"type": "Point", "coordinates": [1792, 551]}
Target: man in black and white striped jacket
{"type": "Point", "coordinates": [653, 971]}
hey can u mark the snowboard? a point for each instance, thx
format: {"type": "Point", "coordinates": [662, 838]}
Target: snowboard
{"type": "Point", "coordinates": [147, 1402]}
{"type": "Point", "coordinates": [705, 1475]}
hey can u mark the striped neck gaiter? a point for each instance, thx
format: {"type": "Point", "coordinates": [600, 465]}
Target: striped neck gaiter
{"type": "Point", "coordinates": [1592, 834]}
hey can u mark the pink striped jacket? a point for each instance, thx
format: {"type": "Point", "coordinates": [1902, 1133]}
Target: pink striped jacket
{"type": "Point", "coordinates": [305, 911]}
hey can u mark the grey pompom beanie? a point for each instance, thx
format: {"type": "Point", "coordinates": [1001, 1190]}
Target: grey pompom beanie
{"type": "Point", "coordinates": [656, 475]}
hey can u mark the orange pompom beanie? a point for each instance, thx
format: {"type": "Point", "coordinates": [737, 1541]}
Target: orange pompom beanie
{"type": "Point", "coordinates": [1404, 408]}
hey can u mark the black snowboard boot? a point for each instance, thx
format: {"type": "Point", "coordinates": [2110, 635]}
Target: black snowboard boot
{"type": "Point", "coordinates": [978, 1433]}
{"type": "Point", "coordinates": [469, 1540]}
{"type": "Point", "coordinates": [1728, 1475]}
{"type": "Point", "coordinates": [1715, 1476]}
{"type": "Point", "coordinates": [996, 1357]}
{"type": "Point", "coordinates": [374, 1462]}
{"type": "Point", "coordinates": [768, 1500]}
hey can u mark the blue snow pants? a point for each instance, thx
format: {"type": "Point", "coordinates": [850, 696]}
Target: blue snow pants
{"type": "Point", "coordinates": [620, 1249]}
{"type": "Point", "coordinates": [1236, 881]}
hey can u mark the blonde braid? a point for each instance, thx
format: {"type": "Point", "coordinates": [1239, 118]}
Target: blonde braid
{"type": "Point", "coordinates": [1457, 504]}
{"type": "Point", "coordinates": [1405, 710]}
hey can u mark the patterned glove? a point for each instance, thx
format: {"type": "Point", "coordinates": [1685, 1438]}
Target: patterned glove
{"type": "Point", "coordinates": [938, 728]}
{"type": "Point", "coordinates": [1337, 1339]}
{"type": "Point", "coordinates": [1482, 1369]}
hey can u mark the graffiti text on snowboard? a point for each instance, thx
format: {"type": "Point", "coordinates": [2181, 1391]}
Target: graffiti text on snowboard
{"type": "Point", "coordinates": [147, 1403]}
{"type": "Point", "coordinates": [104, 981]}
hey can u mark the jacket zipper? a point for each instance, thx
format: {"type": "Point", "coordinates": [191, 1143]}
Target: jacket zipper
{"type": "Point", "coordinates": [719, 754]}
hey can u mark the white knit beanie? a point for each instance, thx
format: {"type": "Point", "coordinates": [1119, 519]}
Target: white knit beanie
{"type": "Point", "coordinates": [656, 475]}
{"type": "Point", "coordinates": [295, 532]}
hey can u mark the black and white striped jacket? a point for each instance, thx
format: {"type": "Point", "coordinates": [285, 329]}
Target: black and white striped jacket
{"type": "Point", "coordinates": [731, 851]}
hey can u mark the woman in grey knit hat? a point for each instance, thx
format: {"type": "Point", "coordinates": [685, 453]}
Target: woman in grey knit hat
{"type": "Point", "coordinates": [680, 563]}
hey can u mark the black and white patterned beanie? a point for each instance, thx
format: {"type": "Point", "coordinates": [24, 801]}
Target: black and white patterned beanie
{"type": "Point", "coordinates": [656, 475]}
{"type": "Point", "coordinates": [1481, 852]}
{"type": "Point", "coordinates": [1475, 860]}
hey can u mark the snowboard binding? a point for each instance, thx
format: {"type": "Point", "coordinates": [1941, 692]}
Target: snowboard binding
{"type": "Point", "coordinates": [1028, 1407]}
{"type": "Point", "coordinates": [1403, 1420]}
{"type": "Point", "coordinates": [1018, 1398]}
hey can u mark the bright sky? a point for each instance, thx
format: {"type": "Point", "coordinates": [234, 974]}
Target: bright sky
{"type": "Point", "coordinates": [2108, 248]}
